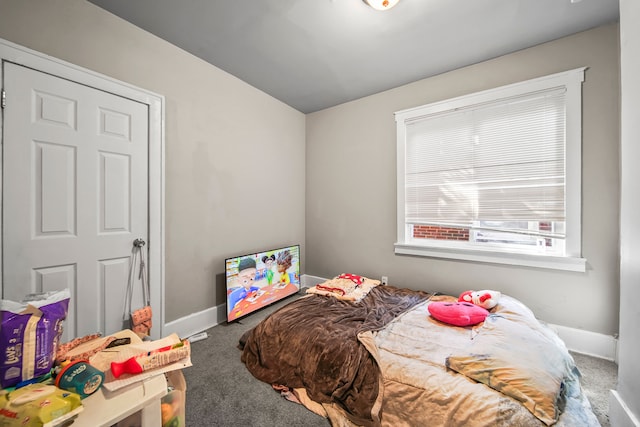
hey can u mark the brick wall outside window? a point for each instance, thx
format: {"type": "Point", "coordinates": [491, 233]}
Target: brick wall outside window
{"type": "Point", "coordinates": [462, 234]}
{"type": "Point", "coordinates": [440, 233]}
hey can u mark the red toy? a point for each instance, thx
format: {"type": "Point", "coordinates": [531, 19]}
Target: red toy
{"type": "Point", "coordinates": [457, 313]}
{"type": "Point", "coordinates": [358, 280]}
{"type": "Point", "coordinates": [152, 359]}
{"type": "Point", "coordinates": [485, 299]}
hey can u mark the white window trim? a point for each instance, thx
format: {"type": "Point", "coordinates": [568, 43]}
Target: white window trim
{"type": "Point", "coordinates": [573, 260]}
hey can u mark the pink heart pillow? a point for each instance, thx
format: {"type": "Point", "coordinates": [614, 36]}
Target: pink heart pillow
{"type": "Point", "coordinates": [457, 313]}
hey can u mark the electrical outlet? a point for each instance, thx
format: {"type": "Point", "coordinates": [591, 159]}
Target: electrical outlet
{"type": "Point", "coordinates": [384, 280]}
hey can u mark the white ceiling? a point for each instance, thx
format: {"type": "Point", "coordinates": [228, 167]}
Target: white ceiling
{"type": "Point", "coordinates": [314, 54]}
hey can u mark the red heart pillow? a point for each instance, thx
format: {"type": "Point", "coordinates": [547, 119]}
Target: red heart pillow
{"type": "Point", "coordinates": [457, 313]}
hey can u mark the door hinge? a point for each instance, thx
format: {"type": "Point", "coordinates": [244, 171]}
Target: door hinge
{"type": "Point", "coordinates": [4, 99]}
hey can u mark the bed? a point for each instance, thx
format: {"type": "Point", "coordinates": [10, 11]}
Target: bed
{"type": "Point", "coordinates": [372, 355]}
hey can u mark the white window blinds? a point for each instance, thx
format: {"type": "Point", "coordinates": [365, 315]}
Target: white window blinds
{"type": "Point", "coordinates": [502, 160]}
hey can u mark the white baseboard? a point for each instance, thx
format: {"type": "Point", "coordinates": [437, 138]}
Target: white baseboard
{"type": "Point", "coordinates": [585, 342]}
{"type": "Point", "coordinates": [308, 281]}
{"type": "Point", "coordinates": [196, 322]}
{"type": "Point", "coordinates": [619, 413]}
{"type": "Point", "coordinates": [589, 343]}
{"type": "Point", "coordinates": [205, 319]}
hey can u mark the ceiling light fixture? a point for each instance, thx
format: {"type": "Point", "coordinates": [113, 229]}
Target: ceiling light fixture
{"type": "Point", "coordinates": [381, 4]}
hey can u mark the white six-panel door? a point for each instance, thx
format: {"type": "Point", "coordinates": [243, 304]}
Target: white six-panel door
{"type": "Point", "coordinates": [75, 170]}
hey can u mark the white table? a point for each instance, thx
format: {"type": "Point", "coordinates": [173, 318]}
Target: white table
{"type": "Point", "coordinates": [105, 408]}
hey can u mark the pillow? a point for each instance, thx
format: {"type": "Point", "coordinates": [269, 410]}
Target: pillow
{"type": "Point", "coordinates": [518, 356]}
{"type": "Point", "coordinates": [457, 313]}
{"type": "Point", "coordinates": [346, 287]}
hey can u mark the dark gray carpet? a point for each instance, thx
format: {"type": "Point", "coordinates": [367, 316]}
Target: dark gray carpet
{"type": "Point", "coordinates": [221, 392]}
{"type": "Point", "coordinates": [598, 377]}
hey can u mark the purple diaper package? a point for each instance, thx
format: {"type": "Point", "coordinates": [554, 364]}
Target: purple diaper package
{"type": "Point", "coordinates": [30, 334]}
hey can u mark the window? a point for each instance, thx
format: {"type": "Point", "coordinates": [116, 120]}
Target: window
{"type": "Point", "coordinates": [495, 176]}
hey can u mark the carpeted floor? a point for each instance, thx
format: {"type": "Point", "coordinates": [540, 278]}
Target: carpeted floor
{"type": "Point", "coordinates": [221, 392]}
{"type": "Point", "coordinates": [599, 376]}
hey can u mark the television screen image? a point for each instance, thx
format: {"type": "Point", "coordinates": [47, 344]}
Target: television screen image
{"type": "Point", "coordinates": [260, 279]}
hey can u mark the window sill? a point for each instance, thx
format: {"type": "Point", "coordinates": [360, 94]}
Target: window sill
{"type": "Point", "coordinates": [495, 257]}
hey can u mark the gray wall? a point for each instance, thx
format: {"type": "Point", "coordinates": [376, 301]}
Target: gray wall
{"type": "Point", "coordinates": [234, 155]}
{"type": "Point", "coordinates": [629, 347]}
{"type": "Point", "coordinates": [351, 187]}
{"type": "Point", "coordinates": [216, 208]}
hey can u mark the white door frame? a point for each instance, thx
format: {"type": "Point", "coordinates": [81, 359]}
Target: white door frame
{"type": "Point", "coordinates": [39, 61]}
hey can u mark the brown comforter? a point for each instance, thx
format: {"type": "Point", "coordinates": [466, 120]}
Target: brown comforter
{"type": "Point", "coordinates": [298, 346]}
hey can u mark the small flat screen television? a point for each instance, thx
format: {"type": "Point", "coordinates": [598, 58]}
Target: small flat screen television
{"type": "Point", "coordinates": [257, 280]}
